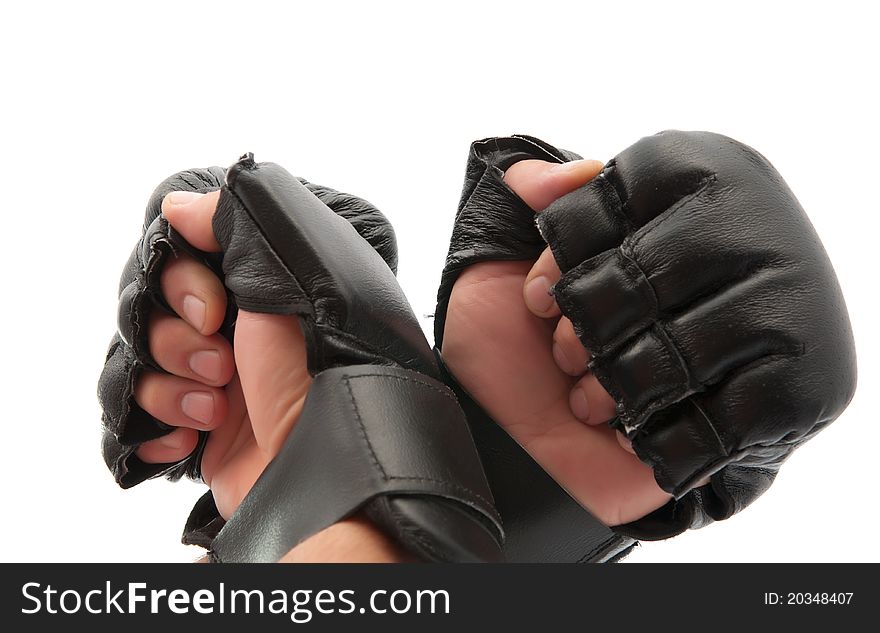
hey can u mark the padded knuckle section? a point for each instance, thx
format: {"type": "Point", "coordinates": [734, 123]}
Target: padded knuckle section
{"type": "Point", "coordinates": [608, 299]}
{"type": "Point", "coordinates": [133, 268]}
{"type": "Point", "coordinates": [128, 316]}
{"type": "Point", "coordinates": [122, 415]}
{"type": "Point", "coordinates": [583, 223]}
{"type": "Point", "coordinates": [122, 461]}
{"type": "Point", "coordinates": [126, 425]}
{"type": "Point", "coordinates": [140, 295]}
{"type": "Point", "coordinates": [657, 171]}
{"type": "Point", "coordinates": [114, 385]}
{"type": "Point", "coordinates": [682, 446]}
{"type": "Point", "coordinates": [644, 376]}
{"type": "Point", "coordinates": [155, 233]}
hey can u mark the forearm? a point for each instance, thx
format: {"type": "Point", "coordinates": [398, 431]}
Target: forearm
{"type": "Point", "coordinates": [352, 540]}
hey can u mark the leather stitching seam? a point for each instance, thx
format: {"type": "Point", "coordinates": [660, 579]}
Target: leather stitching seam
{"type": "Point", "coordinates": [357, 415]}
{"type": "Point", "coordinates": [672, 209]}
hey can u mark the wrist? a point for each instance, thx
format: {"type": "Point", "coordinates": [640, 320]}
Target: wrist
{"type": "Point", "coordinates": [352, 540]}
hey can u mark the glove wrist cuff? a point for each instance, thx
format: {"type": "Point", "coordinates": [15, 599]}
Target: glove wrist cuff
{"type": "Point", "coordinates": [391, 441]}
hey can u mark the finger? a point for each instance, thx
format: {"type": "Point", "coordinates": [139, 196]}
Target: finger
{"type": "Point", "coordinates": [539, 183]}
{"type": "Point", "coordinates": [180, 350]}
{"type": "Point", "coordinates": [270, 354]}
{"type": "Point", "coordinates": [190, 214]}
{"type": "Point", "coordinates": [170, 448]}
{"type": "Point", "coordinates": [195, 293]}
{"type": "Point", "coordinates": [537, 286]}
{"type": "Point", "coordinates": [180, 402]}
{"type": "Point", "coordinates": [568, 351]}
{"type": "Point", "coordinates": [590, 403]}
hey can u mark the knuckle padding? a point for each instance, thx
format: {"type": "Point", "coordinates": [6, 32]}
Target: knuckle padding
{"type": "Point", "coordinates": [683, 445]}
{"type": "Point", "coordinates": [713, 315]}
{"type": "Point", "coordinates": [704, 318]}
{"type": "Point", "coordinates": [125, 424]}
{"type": "Point", "coordinates": [115, 385]}
{"type": "Point", "coordinates": [585, 222]}
{"type": "Point", "coordinates": [121, 412]}
{"type": "Point", "coordinates": [646, 375]}
{"type": "Point", "coordinates": [141, 295]}
{"type": "Point", "coordinates": [609, 300]}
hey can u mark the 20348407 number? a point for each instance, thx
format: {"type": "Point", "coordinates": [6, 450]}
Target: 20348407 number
{"type": "Point", "coordinates": [799, 598]}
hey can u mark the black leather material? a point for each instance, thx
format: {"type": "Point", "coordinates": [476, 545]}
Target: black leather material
{"type": "Point", "coordinates": [379, 431]}
{"type": "Point", "coordinates": [711, 310]}
{"type": "Point", "coordinates": [713, 315]}
{"type": "Point", "coordinates": [542, 522]}
{"type": "Point", "coordinates": [370, 432]}
{"type": "Point", "coordinates": [125, 424]}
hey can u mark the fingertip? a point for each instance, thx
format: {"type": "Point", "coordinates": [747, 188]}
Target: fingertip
{"type": "Point", "coordinates": [537, 288]}
{"type": "Point", "coordinates": [602, 407]}
{"type": "Point", "coordinates": [191, 214]}
{"type": "Point", "coordinates": [576, 172]}
{"type": "Point", "coordinates": [538, 182]}
{"type": "Point", "coordinates": [526, 179]}
{"type": "Point", "coordinates": [568, 351]}
{"type": "Point", "coordinates": [169, 449]}
{"type": "Point", "coordinates": [180, 199]}
{"type": "Point", "coordinates": [195, 293]}
{"type": "Point", "coordinates": [206, 409]}
{"type": "Point", "coordinates": [539, 298]}
{"type": "Point", "coordinates": [579, 404]}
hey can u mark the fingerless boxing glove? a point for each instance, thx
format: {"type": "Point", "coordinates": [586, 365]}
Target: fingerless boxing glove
{"type": "Point", "coordinates": [542, 521]}
{"type": "Point", "coordinates": [711, 310]}
{"type": "Point", "coordinates": [713, 314]}
{"type": "Point", "coordinates": [379, 432]}
{"type": "Point", "coordinates": [125, 425]}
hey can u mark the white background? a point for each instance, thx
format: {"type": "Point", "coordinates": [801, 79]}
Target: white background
{"type": "Point", "coordinates": [101, 101]}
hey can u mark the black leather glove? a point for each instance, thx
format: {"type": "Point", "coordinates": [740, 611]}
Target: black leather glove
{"type": "Point", "coordinates": [379, 432]}
{"type": "Point", "coordinates": [712, 313]}
{"type": "Point", "coordinates": [714, 317]}
{"type": "Point", "coordinates": [126, 425]}
{"type": "Point", "coordinates": [542, 522]}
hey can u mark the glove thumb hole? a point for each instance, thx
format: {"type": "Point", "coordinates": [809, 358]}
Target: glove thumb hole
{"type": "Point", "coordinates": [538, 182]}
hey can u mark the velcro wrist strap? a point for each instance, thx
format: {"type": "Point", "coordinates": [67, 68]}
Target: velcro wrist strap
{"type": "Point", "coordinates": [366, 432]}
